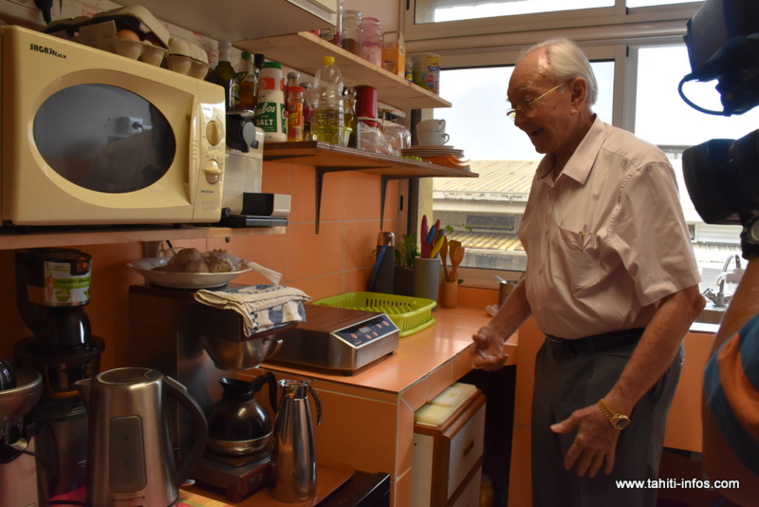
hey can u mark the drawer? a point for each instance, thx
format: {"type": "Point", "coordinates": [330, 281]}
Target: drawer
{"type": "Point", "coordinates": [447, 459]}
{"type": "Point", "coordinates": [465, 450]}
{"type": "Point", "coordinates": [470, 497]}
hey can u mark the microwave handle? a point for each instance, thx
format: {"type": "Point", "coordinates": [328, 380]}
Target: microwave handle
{"type": "Point", "coordinates": [193, 167]}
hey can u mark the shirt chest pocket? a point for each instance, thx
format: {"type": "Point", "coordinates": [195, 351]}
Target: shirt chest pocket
{"type": "Point", "coordinates": [575, 259]}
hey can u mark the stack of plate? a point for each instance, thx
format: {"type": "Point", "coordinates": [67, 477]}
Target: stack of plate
{"type": "Point", "coordinates": [439, 155]}
{"type": "Point", "coordinates": [431, 151]}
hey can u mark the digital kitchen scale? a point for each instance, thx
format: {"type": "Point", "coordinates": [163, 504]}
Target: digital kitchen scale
{"type": "Point", "coordinates": [337, 339]}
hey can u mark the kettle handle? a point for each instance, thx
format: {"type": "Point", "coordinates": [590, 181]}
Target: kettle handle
{"type": "Point", "coordinates": [179, 392]}
{"type": "Point", "coordinates": [318, 402]}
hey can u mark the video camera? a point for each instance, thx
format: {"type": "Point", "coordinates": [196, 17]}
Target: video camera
{"type": "Point", "coordinates": [722, 175]}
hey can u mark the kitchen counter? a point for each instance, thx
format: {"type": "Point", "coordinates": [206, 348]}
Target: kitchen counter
{"type": "Point", "coordinates": [443, 345]}
{"type": "Point", "coordinates": [368, 417]}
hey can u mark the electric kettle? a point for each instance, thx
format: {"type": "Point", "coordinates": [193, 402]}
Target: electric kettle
{"type": "Point", "coordinates": [130, 458]}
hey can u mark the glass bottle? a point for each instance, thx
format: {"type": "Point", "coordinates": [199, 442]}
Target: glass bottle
{"type": "Point", "coordinates": [294, 104]}
{"type": "Point", "coordinates": [224, 74]}
{"type": "Point", "coordinates": [308, 110]}
{"type": "Point", "coordinates": [351, 119]}
{"type": "Point", "coordinates": [371, 47]}
{"type": "Point", "coordinates": [353, 35]}
{"type": "Point", "coordinates": [248, 75]}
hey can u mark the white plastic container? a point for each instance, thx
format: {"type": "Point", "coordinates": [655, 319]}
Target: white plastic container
{"type": "Point", "coordinates": [271, 99]}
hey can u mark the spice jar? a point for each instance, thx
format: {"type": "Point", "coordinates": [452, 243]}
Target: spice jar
{"type": "Point", "coordinates": [371, 48]}
{"type": "Point", "coordinates": [353, 35]}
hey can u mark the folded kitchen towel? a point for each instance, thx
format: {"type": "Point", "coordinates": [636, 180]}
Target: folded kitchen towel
{"type": "Point", "coordinates": [262, 307]}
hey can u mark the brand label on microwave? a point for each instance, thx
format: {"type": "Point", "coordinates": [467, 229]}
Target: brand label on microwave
{"type": "Point", "coordinates": [46, 50]}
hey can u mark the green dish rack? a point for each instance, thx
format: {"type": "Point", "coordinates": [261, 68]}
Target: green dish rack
{"type": "Point", "coordinates": [410, 314]}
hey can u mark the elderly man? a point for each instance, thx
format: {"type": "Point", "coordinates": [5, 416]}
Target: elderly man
{"type": "Point", "coordinates": [611, 280]}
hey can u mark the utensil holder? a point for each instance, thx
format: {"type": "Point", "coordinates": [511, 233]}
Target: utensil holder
{"type": "Point", "coordinates": [450, 298]}
{"type": "Point", "coordinates": [426, 277]}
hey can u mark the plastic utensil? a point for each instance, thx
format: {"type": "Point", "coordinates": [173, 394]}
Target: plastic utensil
{"type": "Point", "coordinates": [437, 247]}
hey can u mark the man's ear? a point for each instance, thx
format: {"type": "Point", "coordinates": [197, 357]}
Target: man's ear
{"type": "Point", "coordinates": [578, 89]}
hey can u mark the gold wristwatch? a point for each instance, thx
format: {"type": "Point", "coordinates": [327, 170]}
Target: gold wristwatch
{"type": "Point", "coordinates": [617, 420]}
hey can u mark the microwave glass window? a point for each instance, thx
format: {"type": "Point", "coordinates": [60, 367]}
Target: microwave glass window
{"type": "Point", "coordinates": [104, 138]}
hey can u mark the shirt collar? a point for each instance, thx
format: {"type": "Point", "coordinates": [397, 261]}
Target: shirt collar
{"type": "Point", "coordinates": [581, 162]}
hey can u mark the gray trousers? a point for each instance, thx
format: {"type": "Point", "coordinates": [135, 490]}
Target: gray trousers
{"type": "Point", "coordinates": [567, 381]}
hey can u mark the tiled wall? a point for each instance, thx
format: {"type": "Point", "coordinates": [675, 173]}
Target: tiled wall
{"type": "Point", "coordinates": [338, 259]}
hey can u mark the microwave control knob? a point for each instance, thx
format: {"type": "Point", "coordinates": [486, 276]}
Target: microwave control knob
{"type": "Point", "coordinates": [213, 172]}
{"type": "Point", "coordinates": [214, 133]}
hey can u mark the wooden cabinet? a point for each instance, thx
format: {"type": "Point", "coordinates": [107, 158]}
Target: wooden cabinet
{"type": "Point", "coordinates": [447, 459]}
{"type": "Point", "coordinates": [235, 20]}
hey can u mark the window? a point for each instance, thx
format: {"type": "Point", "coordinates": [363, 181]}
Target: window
{"type": "Point", "coordinates": [436, 11]}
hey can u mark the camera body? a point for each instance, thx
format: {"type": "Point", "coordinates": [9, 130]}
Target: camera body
{"type": "Point", "coordinates": [722, 175]}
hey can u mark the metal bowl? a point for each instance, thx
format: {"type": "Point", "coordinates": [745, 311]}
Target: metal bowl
{"type": "Point", "coordinates": [240, 355]}
{"type": "Point", "coordinates": [262, 445]}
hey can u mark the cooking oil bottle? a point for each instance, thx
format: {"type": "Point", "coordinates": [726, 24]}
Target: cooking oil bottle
{"type": "Point", "coordinates": [327, 122]}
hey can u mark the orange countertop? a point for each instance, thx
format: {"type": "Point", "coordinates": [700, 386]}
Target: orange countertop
{"type": "Point", "coordinates": [417, 355]}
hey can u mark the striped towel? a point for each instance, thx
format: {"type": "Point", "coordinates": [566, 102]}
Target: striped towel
{"type": "Point", "coordinates": [262, 307]}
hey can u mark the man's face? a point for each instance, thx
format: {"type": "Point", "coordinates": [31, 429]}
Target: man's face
{"type": "Point", "coordinates": [548, 120]}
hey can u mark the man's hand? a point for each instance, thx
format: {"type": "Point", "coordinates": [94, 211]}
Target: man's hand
{"type": "Point", "coordinates": [488, 352]}
{"type": "Point", "coordinates": [595, 444]}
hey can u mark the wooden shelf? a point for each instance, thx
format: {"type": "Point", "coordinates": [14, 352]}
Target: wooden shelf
{"type": "Point", "coordinates": [329, 158]}
{"type": "Point", "coordinates": [303, 51]}
{"type": "Point", "coordinates": [339, 158]}
{"type": "Point", "coordinates": [37, 237]}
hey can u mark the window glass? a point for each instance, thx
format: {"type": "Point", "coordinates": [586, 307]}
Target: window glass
{"type": "Point", "coordinates": [485, 211]}
{"type": "Point", "coordinates": [663, 118]}
{"type": "Point", "coordinates": [435, 11]}
{"type": "Point", "coordinates": [104, 138]}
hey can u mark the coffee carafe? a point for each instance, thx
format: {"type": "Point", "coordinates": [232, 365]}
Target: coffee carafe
{"type": "Point", "coordinates": [293, 460]}
{"type": "Point", "coordinates": [238, 425]}
{"type": "Point", "coordinates": [130, 458]}
{"type": "Point", "coordinates": [20, 389]}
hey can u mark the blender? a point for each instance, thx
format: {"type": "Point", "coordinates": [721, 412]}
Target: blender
{"type": "Point", "coordinates": [52, 291]}
{"type": "Point", "coordinates": [19, 391]}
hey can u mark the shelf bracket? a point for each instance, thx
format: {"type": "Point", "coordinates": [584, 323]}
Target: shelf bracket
{"type": "Point", "coordinates": [321, 171]}
{"type": "Point", "coordinates": [383, 194]}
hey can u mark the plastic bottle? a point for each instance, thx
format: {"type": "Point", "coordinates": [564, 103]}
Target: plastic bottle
{"type": "Point", "coordinates": [248, 75]}
{"type": "Point", "coordinates": [294, 105]}
{"type": "Point", "coordinates": [224, 74]}
{"type": "Point", "coordinates": [327, 123]}
{"type": "Point", "coordinates": [371, 47]}
{"type": "Point", "coordinates": [271, 99]}
{"type": "Point", "coordinates": [353, 35]}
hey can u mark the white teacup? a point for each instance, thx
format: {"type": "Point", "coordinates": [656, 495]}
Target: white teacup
{"type": "Point", "coordinates": [432, 138]}
{"type": "Point", "coordinates": [431, 126]}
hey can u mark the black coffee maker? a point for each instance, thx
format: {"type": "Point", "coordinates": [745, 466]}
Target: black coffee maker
{"type": "Point", "coordinates": [52, 291]}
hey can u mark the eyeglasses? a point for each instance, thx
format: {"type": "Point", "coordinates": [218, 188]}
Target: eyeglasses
{"type": "Point", "coordinates": [529, 105]}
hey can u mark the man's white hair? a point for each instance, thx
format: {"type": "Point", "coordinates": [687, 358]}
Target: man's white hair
{"type": "Point", "coordinates": [567, 61]}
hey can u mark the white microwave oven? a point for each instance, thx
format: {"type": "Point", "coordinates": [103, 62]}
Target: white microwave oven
{"type": "Point", "coordinates": [92, 137]}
